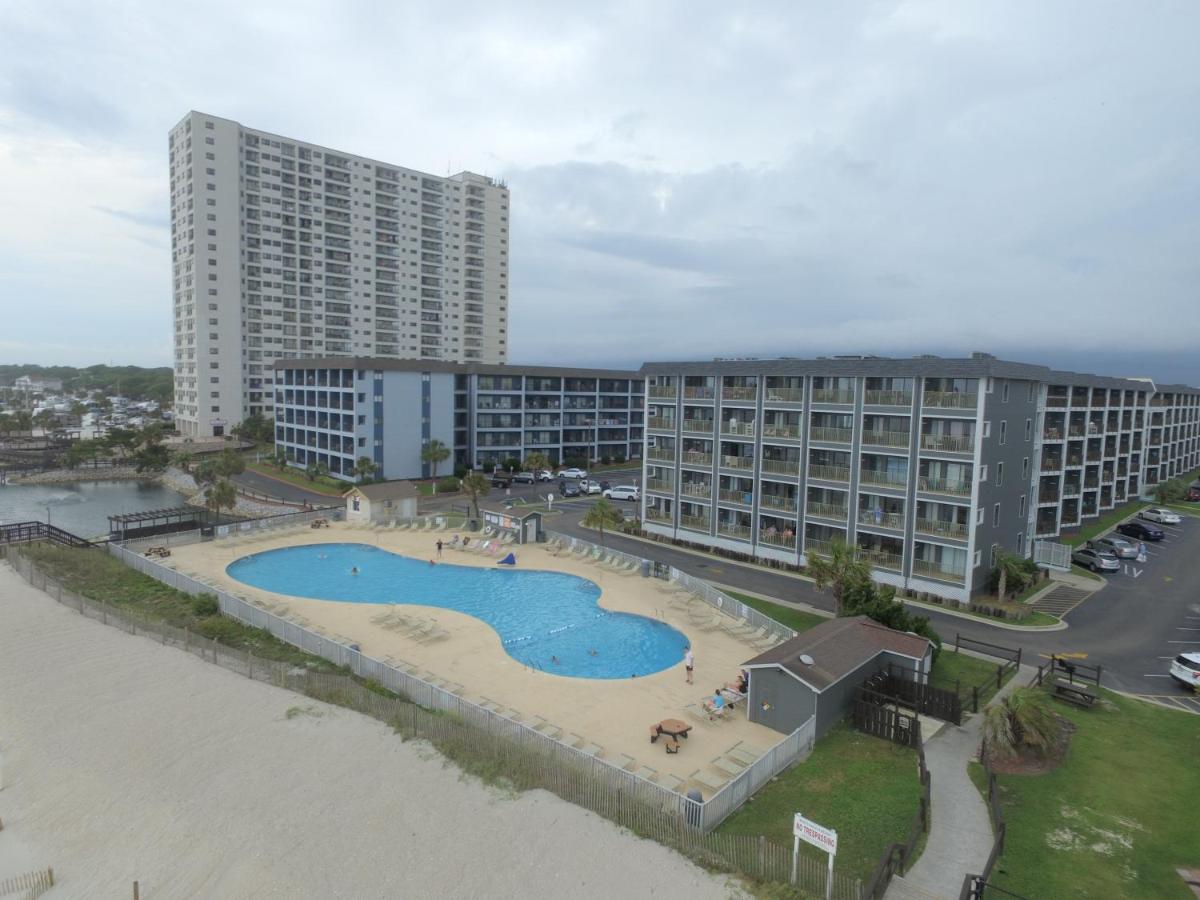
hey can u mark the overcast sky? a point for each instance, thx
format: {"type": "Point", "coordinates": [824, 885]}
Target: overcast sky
{"type": "Point", "coordinates": [688, 179]}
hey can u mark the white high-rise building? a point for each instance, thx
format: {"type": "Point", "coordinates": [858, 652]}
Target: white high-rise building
{"type": "Point", "coordinates": [284, 249]}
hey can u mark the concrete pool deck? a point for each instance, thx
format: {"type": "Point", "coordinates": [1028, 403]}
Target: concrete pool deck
{"type": "Point", "coordinates": [614, 714]}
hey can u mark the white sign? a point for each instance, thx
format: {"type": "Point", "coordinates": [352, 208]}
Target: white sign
{"type": "Point", "coordinates": [818, 835]}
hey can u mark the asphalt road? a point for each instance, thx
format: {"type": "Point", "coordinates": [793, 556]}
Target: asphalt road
{"type": "Point", "coordinates": [282, 489]}
{"type": "Point", "coordinates": [1141, 619]}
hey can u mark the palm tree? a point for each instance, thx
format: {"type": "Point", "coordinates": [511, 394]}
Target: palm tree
{"type": "Point", "coordinates": [220, 494]}
{"type": "Point", "coordinates": [1022, 720]}
{"type": "Point", "coordinates": [435, 452]}
{"type": "Point", "coordinates": [839, 571]}
{"type": "Point", "coordinates": [603, 513]}
{"type": "Point", "coordinates": [536, 462]}
{"type": "Point", "coordinates": [475, 485]}
{"type": "Point", "coordinates": [182, 460]}
{"type": "Point", "coordinates": [315, 470]}
{"type": "Point", "coordinates": [1009, 566]}
{"type": "Point", "coordinates": [364, 468]}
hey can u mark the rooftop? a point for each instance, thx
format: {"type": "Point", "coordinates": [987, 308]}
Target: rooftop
{"type": "Point", "coordinates": [434, 365]}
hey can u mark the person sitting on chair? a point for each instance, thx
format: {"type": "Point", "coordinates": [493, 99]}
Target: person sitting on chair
{"type": "Point", "coordinates": [715, 705]}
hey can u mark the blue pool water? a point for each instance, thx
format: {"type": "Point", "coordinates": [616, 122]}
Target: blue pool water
{"type": "Point", "coordinates": [539, 616]}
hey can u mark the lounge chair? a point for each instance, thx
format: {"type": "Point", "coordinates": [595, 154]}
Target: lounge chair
{"type": "Point", "coordinates": [694, 712]}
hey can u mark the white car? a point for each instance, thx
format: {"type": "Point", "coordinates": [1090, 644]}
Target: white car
{"type": "Point", "coordinates": [590, 487]}
{"type": "Point", "coordinates": [545, 475]}
{"type": "Point", "coordinates": [1161, 516]}
{"type": "Point", "coordinates": [623, 492]}
{"type": "Point", "coordinates": [572, 473]}
{"type": "Point", "coordinates": [1185, 669]}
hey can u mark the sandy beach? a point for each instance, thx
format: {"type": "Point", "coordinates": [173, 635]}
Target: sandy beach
{"type": "Point", "coordinates": [125, 760]}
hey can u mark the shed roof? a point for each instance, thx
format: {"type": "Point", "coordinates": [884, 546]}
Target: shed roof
{"type": "Point", "coordinates": [837, 648]}
{"type": "Point", "coordinates": [386, 490]}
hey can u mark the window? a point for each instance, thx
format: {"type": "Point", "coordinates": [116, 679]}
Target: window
{"type": "Point", "coordinates": [1032, 389]}
{"type": "Point", "coordinates": [1025, 468]}
{"type": "Point", "coordinates": [992, 557]}
{"type": "Point", "coordinates": [983, 474]}
{"type": "Point", "coordinates": [988, 384]}
{"type": "Point", "coordinates": [1021, 506]}
{"type": "Point", "coordinates": [996, 515]}
{"type": "Point", "coordinates": [987, 429]}
{"type": "Point", "coordinates": [999, 474]}
{"type": "Point", "coordinates": [1028, 430]}
{"type": "Point", "coordinates": [1004, 393]}
{"type": "Point", "coordinates": [978, 558]}
{"type": "Point", "coordinates": [979, 516]}
{"type": "Point", "coordinates": [1003, 431]}
{"type": "Point", "coordinates": [1021, 543]}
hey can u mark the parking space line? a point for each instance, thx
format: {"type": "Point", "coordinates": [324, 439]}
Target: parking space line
{"type": "Point", "coordinates": [1186, 628]}
{"type": "Point", "coordinates": [1157, 676]}
{"type": "Point", "coordinates": [1183, 642]}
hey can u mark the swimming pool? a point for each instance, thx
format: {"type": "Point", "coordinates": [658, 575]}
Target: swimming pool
{"type": "Point", "coordinates": [540, 616]}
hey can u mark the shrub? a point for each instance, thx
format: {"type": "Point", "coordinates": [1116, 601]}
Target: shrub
{"type": "Point", "coordinates": [488, 467]}
{"type": "Point", "coordinates": [460, 471]}
{"type": "Point", "coordinates": [227, 631]}
{"type": "Point", "coordinates": [606, 460]}
{"type": "Point", "coordinates": [447, 485]}
{"type": "Point", "coordinates": [619, 458]}
{"type": "Point", "coordinates": [205, 605]}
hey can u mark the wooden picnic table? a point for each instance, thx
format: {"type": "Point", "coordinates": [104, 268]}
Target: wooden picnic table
{"type": "Point", "coordinates": [1078, 694]}
{"type": "Point", "coordinates": [676, 728]}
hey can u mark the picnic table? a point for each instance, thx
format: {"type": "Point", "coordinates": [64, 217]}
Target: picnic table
{"type": "Point", "coordinates": [320, 523]}
{"type": "Point", "coordinates": [676, 728]}
{"type": "Point", "coordinates": [1079, 694]}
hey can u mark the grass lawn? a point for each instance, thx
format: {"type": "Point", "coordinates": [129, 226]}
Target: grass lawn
{"type": "Point", "coordinates": [864, 787]}
{"type": "Point", "coordinates": [967, 671]}
{"type": "Point", "coordinates": [1020, 614]}
{"type": "Point", "coordinates": [95, 574]}
{"type": "Point", "coordinates": [1117, 817]}
{"type": "Point", "coordinates": [1105, 523]}
{"type": "Point", "coordinates": [323, 484]}
{"type": "Point", "coordinates": [796, 619]}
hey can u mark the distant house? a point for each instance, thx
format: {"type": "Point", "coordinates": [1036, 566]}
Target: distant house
{"type": "Point", "coordinates": [381, 502]}
{"type": "Point", "coordinates": [816, 672]}
{"type": "Point", "coordinates": [37, 384]}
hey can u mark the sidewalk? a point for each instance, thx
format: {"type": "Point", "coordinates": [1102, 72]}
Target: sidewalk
{"type": "Point", "coordinates": [960, 838]}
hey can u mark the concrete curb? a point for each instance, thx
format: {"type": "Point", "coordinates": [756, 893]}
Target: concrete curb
{"type": "Point", "coordinates": [995, 623]}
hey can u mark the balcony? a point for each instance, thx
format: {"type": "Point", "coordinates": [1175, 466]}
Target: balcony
{"type": "Point", "coordinates": [663, 392]}
{"type": "Point", "coordinates": [831, 435]}
{"type": "Point", "coordinates": [661, 423]}
{"type": "Point", "coordinates": [948, 443]}
{"type": "Point", "coordinates": [698, 426]}
{"type": "Point", "coordinates": [887, 398]}
{"type": "Point", "coordinates": [789, 467]}
{"type": "Point", "coordinates": [883, 477]}
{"type": "Point", "coordinates": [698, 393]}
{"type": "Point", "coordinates": [815, 545]}
{"type": "Point", "coordinates": [1052, 464]}
{"type": "Point", "coordinates": [660, 485]}
{"type": "Point", "coordinates": [743, 393]}
{"type": "Point", "coordinates": [695, 523]}
{"type": "Point", "coordinates": [937, 485]}
{"type": "Point", "coordinates": [1047, 497]}
{"type": "Point", "coordinates": [950, 400]}
{"type": "Point", "coordinates": [927, 569]}
{"type": "Point", "coordinates": [738, 429]}
{"type": "Point", "coordinates": [886, 438]}
{"type": "Point", "coordinates": [828, 511]}
{"type": "Point", "coordinates": [941, 528]}
{"type": "Point", "coordinates": [789, 432]}
{"type": "Point", "coordinates": [659, 453]}
{"type": "Point", "coordinates": [654, 514]}
{"type": "Point", "coordinates": [832, 395]}
{"type": "Point", "coordinates": [882, 520]}
{"type": "Point", "coordinates": [740, 532]}
{"type": "Point", "coordinates": [881, 559]}
{"type": "Point", "coordinates": [829, 473]}
{"type": "Point", "coordinates": [776, 501]}
{"type": "Point", "coordinates": [784, 395]}
{"type": "Point", "coordinates": [744, 463]}
{"type": "Point", "coordinates": [787, 541]}
{"type": "Point", "coordinates": [696, 489]}
{"type": "Point", "coordinates": [698, 459]}
{"type": "Point", "coordinates": [742, 498]}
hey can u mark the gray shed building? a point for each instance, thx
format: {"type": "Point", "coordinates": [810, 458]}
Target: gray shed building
{"type": "Point", "coordinates": [816, 672]}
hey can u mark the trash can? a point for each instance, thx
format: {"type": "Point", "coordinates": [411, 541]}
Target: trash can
{"type": "Point", "coordinates": [206, 531]}
{"type": "Point", "coordinates": [693, 809]}
{"type": "Point", "coordinates": [645, 568]}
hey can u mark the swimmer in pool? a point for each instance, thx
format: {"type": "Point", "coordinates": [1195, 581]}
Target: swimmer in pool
{"type": "Point", "coordinates": [554, 659]}
{"type": "Point", "coordinates": [354, 570]}
{"type": "Point", "coordinates": [593, 652]}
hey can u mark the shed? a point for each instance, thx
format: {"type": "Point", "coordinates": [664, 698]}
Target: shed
{"type": "Point", "coordinates": [817, 671]}
{"type": "Point", "coordinates": [381, 502]}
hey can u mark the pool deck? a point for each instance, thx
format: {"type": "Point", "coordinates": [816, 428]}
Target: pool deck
{"type": "Point", "coordinates": [616, 714]}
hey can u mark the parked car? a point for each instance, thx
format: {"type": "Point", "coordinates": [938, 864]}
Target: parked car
{"type": "Point", "coordinates": [572, 473]}
{"type": "Point", "coordinates": [545, 475]}
{"type": "Point", "coordinates": [569, 489]}
{"type": "Point", "coordinates": [623, 492]}
{"type": "Point", "coordinates": [1193, 493]}
{"type": "Point", "coordinates": [1118, 547]}
{"type": "Point", "coordinates": [500, 479]}
{"type": "Point", "coordinates": [1140, 531]}
{"type": "Point", "coordinates": [523, 478]}
{"type": "Point", "coordinates": [590, 487]}
{"type": "Point", "coordinates": [1096, 560]}
{"type": "Point", "coordinates": [1185, 668]}
{"type": "Point", "coordinates": [1160, 515]}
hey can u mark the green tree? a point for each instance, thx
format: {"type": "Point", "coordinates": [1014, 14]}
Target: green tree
{"type": "Point", "coordinates": [364, 468]}
{"type": "Point", "coordinates": [536, 462]}
{"type": "Point", "coordinates": [841, 571]}
{"type": "Point", "coordinates": [46, 420]}
{"type": "Point", "coordinates": [601, 515]}
{"type": "Point", "coordinates": [1021, 721]}
{"type": "Point", "coordinates": [224, 465]}
{"type": "Point", "coordinates": [182, 460]}
{"type": "Point", "coordinates": [124, 440]}
{"type": "Point", "coordinates": [280, 459]}
{"type": "Point", "coordinates": [151, 457]}
{"type": "Point", "coordinates": [219, 495]}
{"type": "Point", "coordinates": [435, 453]}
{"type": "Point", "coordinates": [315, 470]}
{"type": "Point", "coordinates": [1171, 491]}
{"type": "Point", "coordinates": [1010, 572]}
{"type": "Point", "coordinates": [475, 485]}
{"type": "Point", "coordinates": [255, 428]}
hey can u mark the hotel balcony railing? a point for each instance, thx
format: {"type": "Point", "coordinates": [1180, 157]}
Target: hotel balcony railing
{"type": "Point", "coordinates": [696, 523]}
{"type": "Point", "coordinates": [741, 532]}
{"type": "Point", "coordinates": [653, 514]}
{"type": "Point", "coordinates": [950, 400]}
{"type": "Point", "coordinates": [1107, 478]}
{"type": "Point", "coordinates": [829, 473]}
{"type": "Point", "coordinates": [784, 395]}
{"type": "Point", "coordinates": [828, 510]}
{"type": "Point", "coordinates": [696, 489]}
{"type": "Point", "coordinates": [698, 426]}
{"type": "Point", "coordinates": [888, 398]}
{"type": "Point", "coordinates": [696, 458]}
{"type": "Point", "coordinates": [882, 476]}
{"type": "Point", "coordinates": [738, 429]}
{"type": "Point", "coordinates": [777, 540]}
{"type": "Point", "coordinates": [1052, 464]}
{"type": "Point", "coordinates": [661, 485]}
{"type": "Point", "coordinates": [782, 466]}
{"type": "Point", "coordinates": [882, 520]}
{"type": "Point", "coordinates": [1090, 484]}
{"type": "Point", "coordinates": [1052, 434]}
{"type": "Point", "coordinates": [881, 559]}
{"type": "Point", "coordinates": [791, 432]}
{"type": "Point", "coordinates": [816, 545]}
{"type": "Point", "coordinates": [777, 501]}
{"type": "Point", "coordinates": [1048, 497]}
{"type": "Point", "coordinates": [660, 422]}
{"type": "Point", "coordinates": [737, 462]}
{"type": "Point", "coordinates": [831, 435]}
{"type": "Point", "coordinates": [948, 443]}
{"type": "Point", "coordinates": [832, 395]}
{"type": "Point", "coordinates": [660, 453]}
{"type": "Point", "coordinates": [1075, 459]}
{"type": "Point", "coordinates": [1056, 402]}
{"type": "Point", "coordinates": [745, 498]}
{"type": "Point", "coordinates": [700, 392]}
{"type": "Point", "coordinates": [885, 438]}
{"type": "Point", "coordinates": [739, 392]}
{"type": "Point", "coordinates": [942, 528]}
{"type": "Point", "coordinates": [938, 485]}
{"type": "Point", "coordinates": [663, 392]}
{"type": "Point", "coordinates": [1076, 431]}
{"type": "Point", "coordinates": [935, 570]}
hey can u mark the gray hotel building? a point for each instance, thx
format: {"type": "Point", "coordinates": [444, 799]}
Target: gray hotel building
{"type": "Point", "coordinates": [925, 464]}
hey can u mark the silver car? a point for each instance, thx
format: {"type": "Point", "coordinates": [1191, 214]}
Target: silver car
{"type": "Point", "coordinates": [1118, 547]}
{"type": "Point", "coordinates": [1096, 560]}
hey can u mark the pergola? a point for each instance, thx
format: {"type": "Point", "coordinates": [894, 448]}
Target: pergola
{"type": "Point", "coordinates": [155, 521]}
